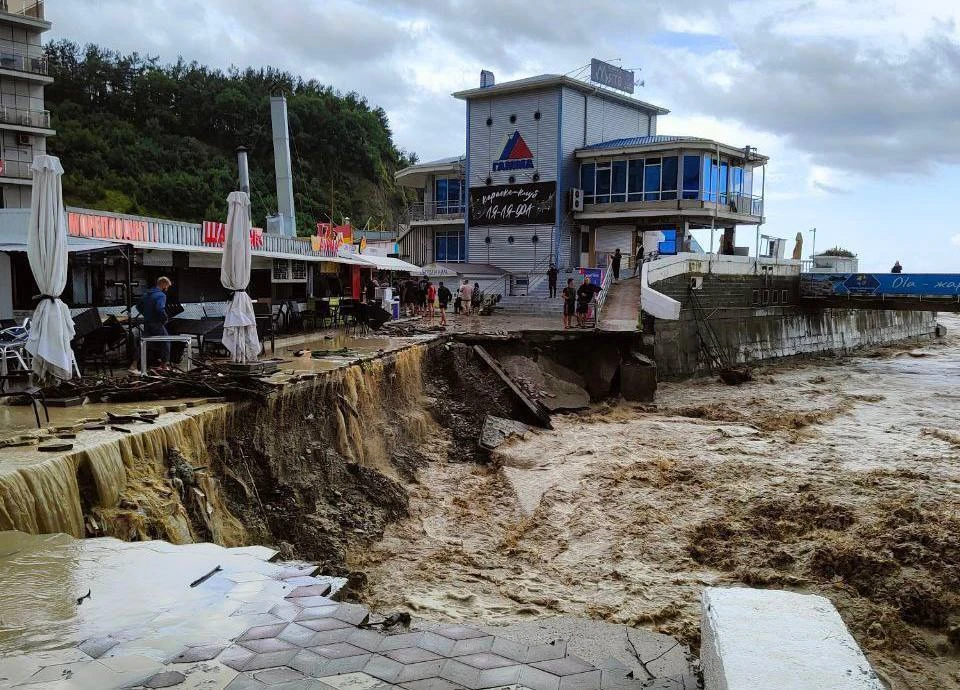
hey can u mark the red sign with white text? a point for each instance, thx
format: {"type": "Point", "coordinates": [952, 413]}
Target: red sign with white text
{"type": "Point", "coordinates": [107, 227]}
{"type": "Point", "coordinates": [215, 233]}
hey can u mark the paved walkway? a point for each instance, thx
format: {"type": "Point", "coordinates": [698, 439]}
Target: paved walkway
{"type": "Point", "coordinates": [203, 616]}
{"type": "Point", "coordinates": [621, 310]}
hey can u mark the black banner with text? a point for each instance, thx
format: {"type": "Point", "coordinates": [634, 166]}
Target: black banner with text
{"type": "Point", "coordinates": [514, 204]}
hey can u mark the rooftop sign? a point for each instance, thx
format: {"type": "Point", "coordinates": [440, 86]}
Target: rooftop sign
{"type": "Point", "coordinates": [611, 75]}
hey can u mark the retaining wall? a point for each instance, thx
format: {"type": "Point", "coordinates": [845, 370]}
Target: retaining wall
{"type": "Point", "coordinates": [760, 318]}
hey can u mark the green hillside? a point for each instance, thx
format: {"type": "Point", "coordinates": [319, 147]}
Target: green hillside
{"type": "Point", "coordinates": [137, 136]}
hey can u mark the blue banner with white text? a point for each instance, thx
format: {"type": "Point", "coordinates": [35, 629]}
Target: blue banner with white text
{"type": "Point", "coordinates": [879, 284]}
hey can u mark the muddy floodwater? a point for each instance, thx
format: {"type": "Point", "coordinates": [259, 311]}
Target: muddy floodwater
{"type": "Point", "coordinates": [836, 476]}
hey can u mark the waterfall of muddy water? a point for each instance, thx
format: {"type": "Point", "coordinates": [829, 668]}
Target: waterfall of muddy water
{"type": "Point", "coordinates": [316, 471]}
{"type": "Point", "coordinates": [120, 483]}
{"type": "Point", "coordinates": [833, 476]}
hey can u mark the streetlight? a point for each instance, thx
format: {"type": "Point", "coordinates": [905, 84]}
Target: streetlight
{"type": "Point", "coordinates": [813, 245]}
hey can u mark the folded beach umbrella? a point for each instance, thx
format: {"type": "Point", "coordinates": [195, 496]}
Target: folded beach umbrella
{"type": "Point", "coordinates": [51, 328]}
{"type": "Point", "coordinates": [239, 322]}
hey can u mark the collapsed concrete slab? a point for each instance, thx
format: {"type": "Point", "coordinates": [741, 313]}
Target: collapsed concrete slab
{"type": "Point", "coordinates": [756, 639]}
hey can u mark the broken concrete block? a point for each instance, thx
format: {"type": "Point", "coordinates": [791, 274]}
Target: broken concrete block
{"type": "Point", "coordinates": [755, 639]}
{"type": "Point", "coordinates": [638, 379]}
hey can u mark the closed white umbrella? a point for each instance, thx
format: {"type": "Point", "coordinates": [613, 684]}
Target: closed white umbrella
{"type": "Point", "coordinates": [51, 328]}
{"type": "Point", "coordinates": [239, 322]}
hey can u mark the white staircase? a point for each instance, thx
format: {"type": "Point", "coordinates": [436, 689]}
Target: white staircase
{"type": "Point", "coordinates": [537, 301]}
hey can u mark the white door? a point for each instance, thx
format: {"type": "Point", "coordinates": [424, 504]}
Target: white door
{"type": "Point", "coordinates": [584, 249]}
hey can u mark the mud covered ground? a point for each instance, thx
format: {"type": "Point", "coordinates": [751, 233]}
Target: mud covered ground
{"type": "Point", "coordinates": [834, 476]}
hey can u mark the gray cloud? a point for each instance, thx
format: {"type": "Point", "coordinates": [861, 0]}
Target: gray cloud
{"type": "Point", "coordinates": [845, 102]}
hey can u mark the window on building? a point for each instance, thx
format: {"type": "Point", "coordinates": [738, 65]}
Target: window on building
{"type": "Point", "coordinates": [449, 195]}
{"type": "Point", "coordinates": [668, 190]}
{"type": "Point", "coordinates": [709, 180]}
{"type": "Point", "coordinates": [448, 246]}
{"type": "Point", "coordinates": [748, 181]}
{"type": "Point", "coordinates": [603, 183]}
{"type": "Point", "coordinates": [588, 173]}
{"type": "Point", "coordinates": [691, 177]}
{"type": "Point", "coordinates": [669, 243]}
{"type": "Point", "coordinates": [635, 180]}
{"type": "Point", "coordinates": [619, 185]}
{"type": "Point", "coordinates": [723, 182]}
{"type": "Point", "coordinates": [651, 180]}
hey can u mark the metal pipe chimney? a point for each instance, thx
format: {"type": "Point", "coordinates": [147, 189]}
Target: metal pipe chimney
{"type": "Point", "coordinates": [281, 161]}
{"type": "Point", "coordinates": [243, 169]}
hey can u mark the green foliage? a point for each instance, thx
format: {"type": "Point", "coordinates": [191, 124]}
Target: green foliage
{"type": "Point", "coordinates": [838, 251]}
{"type": "Point", "coordinates": [139, 137]}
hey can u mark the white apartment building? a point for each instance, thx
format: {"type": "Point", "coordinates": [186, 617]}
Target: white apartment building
{"type": "Point", "coordinates": [24, 122]}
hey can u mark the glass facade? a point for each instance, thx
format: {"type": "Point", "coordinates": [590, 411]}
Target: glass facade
{"type": "Point", "coordinates": [667, 178]}
{"type": "Point", "coordinates": [448, 246]}
{"type": "Point", "coordinates": [449, 195]}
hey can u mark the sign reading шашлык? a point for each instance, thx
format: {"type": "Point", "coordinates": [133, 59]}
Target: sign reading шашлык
{"type": "Point", "coordinates": [611, 75]}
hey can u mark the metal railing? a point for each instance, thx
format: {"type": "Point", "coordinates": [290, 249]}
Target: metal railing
{"type": "Point", "coordinates": [737, 203]}
{"type": "Point", "coordinates": [435, 210]}
{"type": "Point", "coordinates": [22, 63]}
{"type": "Point", "coordinates": [27, 118]}
{"type": "Point", "coordinates": [17, 169]}
{"type": "Point", "coordinates": [602, 295]}
{"type": "Point", "coordinates": [28, 8]}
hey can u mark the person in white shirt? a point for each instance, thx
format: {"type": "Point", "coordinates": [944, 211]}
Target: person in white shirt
{"type": "Point", "coordinates": [466, 297]}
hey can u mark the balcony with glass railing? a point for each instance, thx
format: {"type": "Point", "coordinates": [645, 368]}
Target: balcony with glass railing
{"type": "Point", "coordinates": [23, 8]}
{"type": "Point", "coordinates": [431, 211]}
{"type": "Point", "coordinates": [15, 60]}
{"type": "Point", "coordinates": [18, 170]}
{"type": "Point", "coordinates": [24, 117]}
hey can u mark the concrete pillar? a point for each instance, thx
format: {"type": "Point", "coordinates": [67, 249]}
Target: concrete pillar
{"type": "Point", "coordinates": [6, 287]}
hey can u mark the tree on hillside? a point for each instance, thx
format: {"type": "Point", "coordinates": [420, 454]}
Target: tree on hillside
{"type": "Point", "coordinates": [137, 136]}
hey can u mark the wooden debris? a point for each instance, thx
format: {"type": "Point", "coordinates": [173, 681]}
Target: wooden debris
{"type": "Point", "coordinates": [205, 380]}
{"type": "Point", "coordinates": [538, 411]}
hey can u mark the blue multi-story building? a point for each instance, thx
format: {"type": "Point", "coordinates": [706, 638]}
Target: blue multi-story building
{"type": "Point", "coordinates": [564, 171]}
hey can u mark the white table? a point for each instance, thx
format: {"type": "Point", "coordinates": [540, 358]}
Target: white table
{"type": "Point", "coordinates": [185, 339]}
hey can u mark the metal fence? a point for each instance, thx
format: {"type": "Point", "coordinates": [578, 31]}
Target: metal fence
{"type": "Point", "coordinates": [22, 63]}
{"type": "Point", "coordinates": [24, 117]}
{"type": "Point", "coordinates": [28, 8]}
{"type": "Point", "coordinates": [435, 210]}
{"type": "Point", "coordinates": [17, 169]}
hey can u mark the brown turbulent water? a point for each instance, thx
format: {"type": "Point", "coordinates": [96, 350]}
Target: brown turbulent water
{"type": "Point", "coordinates": [834, 476]}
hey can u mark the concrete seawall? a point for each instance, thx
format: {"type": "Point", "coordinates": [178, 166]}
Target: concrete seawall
{"type": "Point", "coordinates": [750, 327]}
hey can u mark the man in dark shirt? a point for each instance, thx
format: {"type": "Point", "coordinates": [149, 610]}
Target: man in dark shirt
{"type": "Point", "coordinates": [443, 295]}
{"type": "Point", "coordinates": [615, 263]}
{"type": "Point", "coordinates": [585, 295]}
{"type": "Point", "coordinates": [552, 280]}
{"type": "Point", "coordinates": [897, 268]}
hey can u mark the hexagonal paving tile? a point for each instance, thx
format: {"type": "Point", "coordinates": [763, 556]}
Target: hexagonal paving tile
{"type": "Point", "coordinates": [315, 612]}
{"type": "Point", "coordinates": [459, 632]}
{"type": "Point", "coordinates": [299, 635]}
{"type": "Point", "coordinates": [352, 681]}
{"type": "Point", "coordinates": [338, 650]}
{"type": "Point", "coordinates": [383, 668]}
{"type": "Point", "coordinates": [166, 679]}
{"type": "Point", "coordinates": [485, 660]}
{"type": "Point", "coordinates": [317, 590]}
{"type": "Point", "coordinates": [412, 655]}
{"type": "Point", "coordinates": [193, 654]}
{"type": "Point", "coordinates": [266, 645]}
{"type": "Point", "coordinates": [262, 632]}
{"type": "Point", "coordinates": [269, 659]}
{"type": "Point", "coordinates": [280, 674]}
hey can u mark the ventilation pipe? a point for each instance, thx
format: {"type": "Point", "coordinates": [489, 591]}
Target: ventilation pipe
{"type": "Point", "coordinates": [281, 160]}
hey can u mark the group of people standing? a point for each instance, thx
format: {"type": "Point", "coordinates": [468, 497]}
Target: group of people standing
{"type": "Point", "coordinates": [424, 298]}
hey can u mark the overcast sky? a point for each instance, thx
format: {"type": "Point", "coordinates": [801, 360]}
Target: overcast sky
{"type": "Point", "coordinates": [857, 103]}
